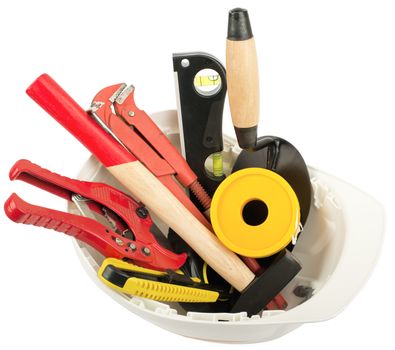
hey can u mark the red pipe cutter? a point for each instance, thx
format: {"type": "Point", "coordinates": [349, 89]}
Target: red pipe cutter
{"type": "Point", "coordinates": [129, 237]}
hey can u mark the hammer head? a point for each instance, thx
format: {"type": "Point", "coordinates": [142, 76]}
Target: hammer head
{"type": "Point", "coordinates": [265, 287]}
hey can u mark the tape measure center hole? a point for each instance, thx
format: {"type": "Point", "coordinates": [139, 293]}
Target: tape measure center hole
{"type": "Point", "coordinates": [255, 212]}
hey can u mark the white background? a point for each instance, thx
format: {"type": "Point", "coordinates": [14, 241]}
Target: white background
{"type": "Point", "coordinates": [327, 71]}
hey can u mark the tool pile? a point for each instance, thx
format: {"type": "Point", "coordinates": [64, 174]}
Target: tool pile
{"type": "Point", "coordinates": [229, 246]}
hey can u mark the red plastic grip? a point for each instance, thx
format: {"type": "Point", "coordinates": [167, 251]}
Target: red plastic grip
{"type": "Point", "coordinates": [57, 103]}
{"type": "Point", "coordinates": [92, 233]}
{"type": "Point", "coordinates": [79, 227]}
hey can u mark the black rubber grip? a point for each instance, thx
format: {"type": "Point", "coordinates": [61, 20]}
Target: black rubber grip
{"type": "Point", "coordinates": [247, 137]}
{"type": "Point", "coordinates": [239, 26]}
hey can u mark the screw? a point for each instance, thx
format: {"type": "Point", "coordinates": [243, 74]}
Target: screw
{"type": "Point", "coordinates": [146, 251]}
{"type": "Point", "coordinates": [142, 212]}
{"type": "Point", "coordinates": [131, 114]}
{"type": "Point", "coordinates": [132, 246]}
{"type": "Point", "coordinates": [185, 63]}
{"type": "Point", "coordinates": [118, 241]}
{"type": "Point", "coordinates": [303, 292]}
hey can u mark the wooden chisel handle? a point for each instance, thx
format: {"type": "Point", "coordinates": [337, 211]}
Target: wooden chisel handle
{"type": "Point", "coordinates": [139, 181]}
{"type": "Point", "coordinates": [242, 78]}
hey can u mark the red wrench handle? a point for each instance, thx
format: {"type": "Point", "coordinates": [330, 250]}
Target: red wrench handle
{"type": "Point", "coordinates": [53, 99]}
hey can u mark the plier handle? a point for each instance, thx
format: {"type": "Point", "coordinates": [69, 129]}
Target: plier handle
{"type": "Point", "coordinates": [130, 239]}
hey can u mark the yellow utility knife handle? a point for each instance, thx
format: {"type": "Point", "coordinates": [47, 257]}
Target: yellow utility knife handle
{"type": "Point", "coordinates": [154, 289]}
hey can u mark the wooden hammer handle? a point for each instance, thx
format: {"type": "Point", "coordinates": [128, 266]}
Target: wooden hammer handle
{"type": "Point", "coordinates": [145, 186]}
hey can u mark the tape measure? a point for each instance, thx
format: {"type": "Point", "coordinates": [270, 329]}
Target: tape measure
{"type": "Point", "coordinates": [255, 212]}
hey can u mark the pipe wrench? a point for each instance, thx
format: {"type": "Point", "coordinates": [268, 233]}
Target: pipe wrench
{"type": "Point", "coordinates": [115, 110]}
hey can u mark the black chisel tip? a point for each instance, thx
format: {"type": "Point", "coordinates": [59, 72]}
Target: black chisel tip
{"type": "Point", "coordinates": [239, 26]}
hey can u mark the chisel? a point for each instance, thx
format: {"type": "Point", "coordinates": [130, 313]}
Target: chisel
{"type": "Point", "coordinates": [242, 78]}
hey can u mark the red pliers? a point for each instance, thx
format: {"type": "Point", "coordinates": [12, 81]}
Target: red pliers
{"type": "Point", "coordinates": [127, 236]}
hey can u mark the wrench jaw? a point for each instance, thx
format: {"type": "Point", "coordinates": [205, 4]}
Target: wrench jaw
{"type": "Point", "coordinates": [102, 103]}
{"type": "Point", "coordinates": [115, 101]}
{"type": "Point", "coordinates": [109, 94]}
{"type": "Point", "coordinates": [103, 112]}
{"type": "Point", "coordinates": [125, 106]}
